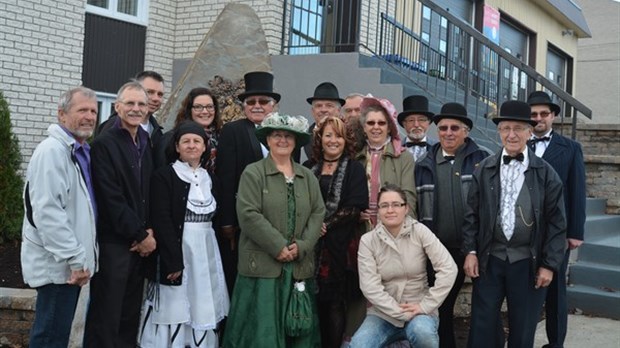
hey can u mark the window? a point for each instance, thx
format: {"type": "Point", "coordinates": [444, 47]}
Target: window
{"type": "Point", "coordinates": [134, 11]}
{"type": "Point", "coordinates": [105, 106]}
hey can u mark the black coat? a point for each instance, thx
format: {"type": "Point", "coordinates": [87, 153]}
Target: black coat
{"type": "Point", "coordinates": [238, 147]}
{"type": "Point", "coordinates": [566, 157]}
{"type": "Point", "coordinates": [121, 181]}
{"type": "Point", "coordinates": [548, 241]}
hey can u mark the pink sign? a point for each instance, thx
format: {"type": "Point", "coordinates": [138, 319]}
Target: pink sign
{"type": "Point", "coordinates": [490, 24]}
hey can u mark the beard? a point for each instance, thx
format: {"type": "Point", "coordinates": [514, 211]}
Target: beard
{"type": "Point", "coordinates": [416, 134]}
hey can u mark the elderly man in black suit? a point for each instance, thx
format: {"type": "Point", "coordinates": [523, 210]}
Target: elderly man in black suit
{"type": "Point", "coordinates": [121, 168]}
{"type": "Point", "coordinates": [415, 119]}
{"type": "Point", "coordinates": [325, 102]}
{"type": "Point", "coordinates": [514, 233]}
{"type": "Point", "coordinates": [565, 156]}
{"type": "Point", "coordinates": [238, 147]}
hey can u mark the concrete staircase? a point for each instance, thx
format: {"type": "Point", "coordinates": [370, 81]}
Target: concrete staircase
{"type": "Point", "coordinates": [594, 280]}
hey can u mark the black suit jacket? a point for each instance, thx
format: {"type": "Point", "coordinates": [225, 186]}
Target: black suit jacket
{"type": "Point", "coordinates": [237, 147]}
{"type": "Point", "coordinates": [566, 158]}
{"type": "Point", "coordinates": [121, 180]}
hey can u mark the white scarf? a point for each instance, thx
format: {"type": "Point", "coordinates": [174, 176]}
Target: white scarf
{"type": "Point", "coordinates": [199, 199]}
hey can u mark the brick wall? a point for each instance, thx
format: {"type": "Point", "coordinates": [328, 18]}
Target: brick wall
{"type": "Point", "coordinates": [40, 57]}
{"type": "Point", "coordinates": [16, 316]}
{"type": "Point", "coordinates": [601, 151]}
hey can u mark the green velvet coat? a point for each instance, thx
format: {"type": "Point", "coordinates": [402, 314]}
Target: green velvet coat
{"type": "Point", "coordinates": [261, 209]}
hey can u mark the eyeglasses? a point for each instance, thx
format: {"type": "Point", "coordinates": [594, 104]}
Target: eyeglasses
{"type": "Point", "coordinates": [543, 114]}
{"type": "Point", "coordinates": [282, 136]}
{"type": "Point", "coordinates": [252, 102]}
{"type": "Point", "coordinates": [418, 120]}
{"type": "Point", "coordinates": [516, 129]}
{"type": "Point", "coordinates": [392, 205]}
{"type": "Point", "coordinates": [453, 127]}
{"type": "Point", "coordinates": [373, 123]}
{"type": "Point", "coordinates": [132, 104]}
{"type": "Point", "coordinates": [199, 108]}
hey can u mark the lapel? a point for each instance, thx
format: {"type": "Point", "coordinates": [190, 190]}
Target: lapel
{"type": "Point", "coordinates": [557, 147]}
{"type": "Point", "coordinates": [254, 143]}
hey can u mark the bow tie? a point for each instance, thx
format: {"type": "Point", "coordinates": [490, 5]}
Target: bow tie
{"type": "Point", "coordinates": [411, 144]}
{"type": "Point", "coordinates": [449, 158]}
{"type": "Point", "coordinates": [536, 140]}
{"type": "Point", "coordinates": [518, 157]}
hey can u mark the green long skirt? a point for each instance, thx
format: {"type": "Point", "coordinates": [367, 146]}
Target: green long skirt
{"type": "Point", "coordinates": [257, 311]}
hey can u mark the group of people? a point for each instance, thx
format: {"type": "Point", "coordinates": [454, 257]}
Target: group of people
{"type": "Point", "coordinates": [269, 231]}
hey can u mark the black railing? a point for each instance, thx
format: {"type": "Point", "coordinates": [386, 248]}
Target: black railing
{"type": "Point", "coordinates": [468, 67]}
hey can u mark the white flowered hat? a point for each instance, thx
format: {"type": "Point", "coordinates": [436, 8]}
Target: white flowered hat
{"type": "Point", "coordinates": [298, 125]}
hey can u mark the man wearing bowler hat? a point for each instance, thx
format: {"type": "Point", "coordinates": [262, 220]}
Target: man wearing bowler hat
{"type": "Point", "coordinates": [238, 147]}
{"type": "Point", "coordinates": [443, 176]}
{"type": "Point", "coordinates": [514, 233]}
{"type": "Point", "coordinates": [415, 119]}
{"type": "Point", "coordinates": [566, 157]}
{"type": "Point", "coordinates": [325, 102]}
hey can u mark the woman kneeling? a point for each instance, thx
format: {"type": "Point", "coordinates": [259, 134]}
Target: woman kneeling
{"type": "Point", "coordinates": [392, 269]}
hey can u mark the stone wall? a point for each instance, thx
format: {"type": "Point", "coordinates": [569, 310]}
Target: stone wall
{"type": "Point", "coordinates": [601, 151]}
{"type": "Point", "coordinates": [16, 316]}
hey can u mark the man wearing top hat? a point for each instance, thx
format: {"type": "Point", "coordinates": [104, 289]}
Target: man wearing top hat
{"type": "Point", "coordinates": [415, 119]}
{"type": "Point", "coordinates": [325, 102]}
{"type": "Point", "coordinates": [443, 176]}
{"type": "Point", "coordinates": [238, 147]}
{"type": "Point", "coordinates": [514, 233]}
{"type": "Point", "coordinates": [566, 157]}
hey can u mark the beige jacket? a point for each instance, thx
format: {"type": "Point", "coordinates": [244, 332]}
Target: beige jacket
{"type": "Point", "coordinates": [392, 270]}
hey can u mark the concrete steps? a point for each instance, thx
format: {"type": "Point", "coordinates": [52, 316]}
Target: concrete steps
{"type": "Point", "coordinates": [594, 280]}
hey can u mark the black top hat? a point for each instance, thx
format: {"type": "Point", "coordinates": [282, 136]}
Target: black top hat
{"type": "Point", "coordinates": [259, 83]}
{"type": "Point", "coordinates": [326, 91]}
{"type": "Point", "coordinates": [515, 110]}
{"type": "Point", "coordinates": [542, 98]}
{"type": "Point", "coordinates": [455, 111]}
{"type": "Point", "coordinates": [414, 104]}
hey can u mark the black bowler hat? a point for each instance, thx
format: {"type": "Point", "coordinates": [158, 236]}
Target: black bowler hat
{"type": "Point", "coordinates": [414, 104]}
{"type": "Point", "coordinates": [515, 110]}
{"type": "Point", "coordinates": [542, 98]}
{"type": "Point", "coordinates": [455, 111]}
{"type": "Point", "coordinates": [259, 83]}
{"type": "Point", "coordinates": [326, 91]}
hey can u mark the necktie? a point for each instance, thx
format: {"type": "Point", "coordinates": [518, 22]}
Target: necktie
{"type": "Point", "coordinates": [518, 157]}
{"type": "Point", "coordinates": [508, 197]}
{"type": "Point", "coordinates": [449, 158]}
{"type": "Point", "coordinates": [411, 144]}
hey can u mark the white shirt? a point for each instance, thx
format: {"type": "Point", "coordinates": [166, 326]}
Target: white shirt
{"type": "Point", "coordinates": [541, 146]}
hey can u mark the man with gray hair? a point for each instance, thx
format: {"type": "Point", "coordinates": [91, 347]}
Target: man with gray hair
{"type": "Point", "coordinates": [59, 248]}
{"type": "Point", "coordinates": [122, 165]}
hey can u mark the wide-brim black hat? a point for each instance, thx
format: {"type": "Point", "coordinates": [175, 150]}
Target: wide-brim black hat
{"type": "Point", "coordinates": [414, 104]}
{"type": "Point", "coordinates": [515, 110]}
{"type": "Point", "coordinates": [454, 111]}
{"type": "Point", "coordinates": [326, 91]}
{"type": "Point", "coordinates": [259, 83]}
{"type": "Point", "coordinates": [542, 98]}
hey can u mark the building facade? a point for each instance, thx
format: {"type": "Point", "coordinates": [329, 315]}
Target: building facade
{"type": "Point", "coordinates": [48, 46]}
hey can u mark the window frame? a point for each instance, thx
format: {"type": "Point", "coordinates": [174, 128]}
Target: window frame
{"type": "Point", "coordinates": [111, 12]}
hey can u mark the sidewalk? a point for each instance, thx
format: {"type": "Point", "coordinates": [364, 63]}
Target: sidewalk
{"type": "Point", "coordinates": [585, 331]}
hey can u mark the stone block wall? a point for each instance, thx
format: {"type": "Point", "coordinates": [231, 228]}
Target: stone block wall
{"type": "Point", "coordinates": [16, 316]}
{"type": "Point", "coordinates": [601, 151]}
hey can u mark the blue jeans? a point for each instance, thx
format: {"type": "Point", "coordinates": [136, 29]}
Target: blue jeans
{"type": "Point", "coordinates": [421, 332]}
{"type": "Point", "coordinates": [53, 316]}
